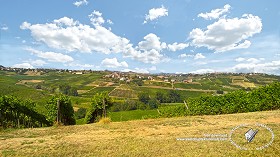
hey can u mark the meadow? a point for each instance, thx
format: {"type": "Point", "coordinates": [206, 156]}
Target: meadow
{"type": "Point", "coordinates": [151, 137]}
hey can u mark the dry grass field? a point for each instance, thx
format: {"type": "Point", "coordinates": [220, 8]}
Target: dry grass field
{"type": "Point", "coordinates": [152, 137]}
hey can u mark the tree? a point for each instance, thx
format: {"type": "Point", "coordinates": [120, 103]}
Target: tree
{"type": "Point", "coordinates": [153, 103]}
{"type": "Point", "coordinates": [60, 109]}
{"type": "Point", "coordinates": [174, 96]}
{"type": "Point", "coordinates": [161, 97]}
{"type": "Point", "coordinates": [144, 97]}
{"type": "Point", "coordinates": [81, 113]}
{"type": "Point", "coordinates": [99, 105]}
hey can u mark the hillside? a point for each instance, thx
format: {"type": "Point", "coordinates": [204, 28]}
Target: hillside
{"type": "Point", "coordinates": [39, 85]}
{"type": "Point", "coordinates": [153, 137]}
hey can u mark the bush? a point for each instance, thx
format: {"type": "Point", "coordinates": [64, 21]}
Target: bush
{"type": "Point", "coordinates": [81, 113]}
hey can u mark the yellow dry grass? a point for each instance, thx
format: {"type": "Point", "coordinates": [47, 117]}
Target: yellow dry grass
{"type": "Point", "coordinates": [245, 84]}
{"type": "Point", "coordinates": [82, 91]}
{"type": "Point", "coordinates": [152, 137]}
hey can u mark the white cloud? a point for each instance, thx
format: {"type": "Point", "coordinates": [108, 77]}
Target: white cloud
{"type": "Point", "coordinates": [203, 71]}
{"type": "Point", "coordinates": [255, 60]}
{"type": "Point", "coordinates": [153, 68]}
{"type": "Point", "coordinates": [79, 3]}
{"type": "Point", "coordinates": [149, 56]}
{"type": "Point", "coordinates": [79, 66]}
{"type": "Point", "coordinates": [4, 28]}
{"type": "Point", "coordinates": [199, 56]}
{"type": "Point", "coordinates": [151, 42]}
{"type": "Point", "coordinates": [61, 22]}
{"type": "Point", "coordinates": [37, 62]}
{"type": "Point", "coordinates": [215, 14]}
{"type": "Point", "coordinates": [156, 13]}
{"type": "Point", "coordinates": [110, 22]}
{"type": "Point", "coordinates": [184, 55]}
{"type": "Point", "coordinates": [177, 46]}
{"type": "Point", "coordinates": [269, 67]}
{"type": "Point", "coordinates": [25, 25]}
{"type": "Point", "coordinates": [251, 60]}
{"type": "Point", "coordinates": [227, 34]}
{"type": "Point", "coordinates": [113, 63]}
{"type": "Point", "coordinates": [137, 70]}
{"type": "Point", "coordinates": [96, 18]}
{"type": "Point", "coordinates": [23, 65]}
{"type": "Point", "coordinates": [51, 56]}
{"type": "Point", "coordinates": [70, 35]}
{"type": "Point", "coordinates": [240, 59]}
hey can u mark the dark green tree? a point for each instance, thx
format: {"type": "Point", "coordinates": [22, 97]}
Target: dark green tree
{"type": "Point", "coordinates": [99, 105]}
{"type": "Point", "coordinates": [144, 97]}
{"type": "Point", "coordinates": [60, 109]}
{"type": "Point", "coordinates": [173, 96]}
{"type": "Point", "coordinates": [81, 113]}
{"type": "Point", "coordinates": [161, 97]}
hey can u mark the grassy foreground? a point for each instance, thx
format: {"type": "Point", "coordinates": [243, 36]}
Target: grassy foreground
{"type": "Point", "coordinates": [152, 137]}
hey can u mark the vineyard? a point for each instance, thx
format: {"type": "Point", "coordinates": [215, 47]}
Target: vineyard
{"type": "Point", "coordinates": [18, 114]}
{"type": "Point", "coordinates": [204, 94]}
{"type": "Point", "coordinates": [261, 99]}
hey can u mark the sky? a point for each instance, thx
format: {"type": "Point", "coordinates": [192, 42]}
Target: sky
{"type": "Point", "coordinates": [145, 36]}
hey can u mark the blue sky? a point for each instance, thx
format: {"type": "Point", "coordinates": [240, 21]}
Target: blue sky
{"type": "Point", "coordinates": [148, 36]}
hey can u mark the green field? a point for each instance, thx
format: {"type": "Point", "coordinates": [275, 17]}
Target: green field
{"type": "Point", "coordinates": [131, 115]}
{"type": "Point", "coordinates": [23, 86]}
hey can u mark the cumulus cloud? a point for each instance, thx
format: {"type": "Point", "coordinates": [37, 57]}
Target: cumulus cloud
{"type": "Point", "coordinates": [269, 67]}
{"type": "Point", "coordinates": [137, 70]}
{"type": "Point", "coordinates": [203, 71]}
{"type": "Point", "coordinates": [79, 3]}
{"type": "Point", "coordinates": [151, 41]}
{"type": "Point", "coordinates": [37, 62]}
{"type": "Point", "coordinates": [23, 65]}
{"type": "Point", "coordinates": [216, 13]}
{"type": "Point", "coordinates": [199, 56]}
{"type": "Point", "coordinates": [70, 35]}
{"type": "Point", "coordinates": [177, 46]}
{"type": "Point", "coordinates": [113, 63]}
{"type": "Point", "coordinates": [51, 56]}
{"type": "Point", "coordinates": [156, 13]}
{"type": "Point", "coordinates": [227, 34]}
{"type": "Point", "coordinates": [96, 18]}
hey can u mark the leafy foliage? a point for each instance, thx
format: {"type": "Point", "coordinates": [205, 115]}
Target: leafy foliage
{"type": "Point", "coordinates": [261, 99]}
{"type": "Point", "coordinates": [81, 113]}
{"type": "Point", "coordinates": [64, 112]}
{"type": "Point", "coordinates": [100, 102]}
{"type": "Point", "coordinates": [172, 96]}
{"type": "Point", "coordinates": [19, 113]}
{"type": "Point", "coordinates": [144, 97]}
